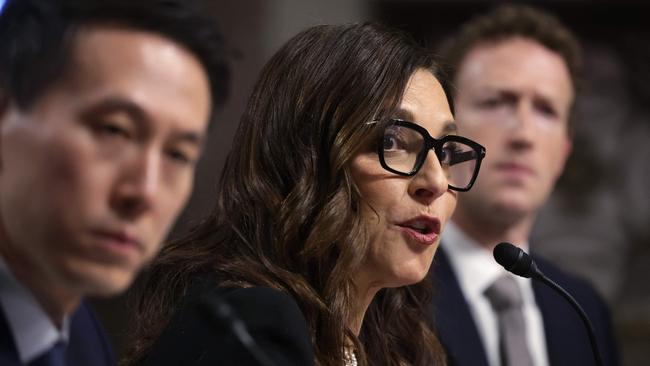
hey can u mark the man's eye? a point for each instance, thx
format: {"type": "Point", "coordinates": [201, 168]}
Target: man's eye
{"type": "Point", "coordinates": [490, 102]}
{"type": "Point", "coordinates": [498, 101]}
{"type": "Point", "coordinates": [180, 157]}
{"type": "Point", "coordinates": [112, 129]}
{"type": "Point", "coordinates": [546, 110]}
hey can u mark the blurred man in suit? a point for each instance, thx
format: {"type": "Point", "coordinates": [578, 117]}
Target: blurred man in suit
{"type": "Point", "coordinates": [516, 71]}
{"type": "Point", "coordinates": [104, 107]}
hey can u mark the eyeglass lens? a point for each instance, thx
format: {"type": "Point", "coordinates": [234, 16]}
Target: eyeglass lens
{"type": "Point", "coordinates": [404, 151]}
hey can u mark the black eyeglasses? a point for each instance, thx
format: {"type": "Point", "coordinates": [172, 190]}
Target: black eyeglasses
{"type": "Point", "coordinates": [404, 145]}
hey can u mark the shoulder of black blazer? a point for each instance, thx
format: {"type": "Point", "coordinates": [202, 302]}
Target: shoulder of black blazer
{"type": "Point", "coordinates": [87, 344]}
{"type": "Point", "coordinates": [195, 336]}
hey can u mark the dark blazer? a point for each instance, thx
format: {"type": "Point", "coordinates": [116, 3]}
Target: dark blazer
{"type": "Point", "coordinates": [200, 332]}
{"type": "Point", "coordinates": [567, 341]}
{"type": "Point", "coordinates": [87, 344]}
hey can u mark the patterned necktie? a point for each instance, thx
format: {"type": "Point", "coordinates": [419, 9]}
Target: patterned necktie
{"type": "Point", "coordinates": [506, 300]}
{"type": "Point", "coordinates": [54, 357]}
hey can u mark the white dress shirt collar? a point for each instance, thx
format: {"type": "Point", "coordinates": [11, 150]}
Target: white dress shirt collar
{"type": "Point", "coordinates": [33, 331]}
{"type": "Point", "coordinates": [476, 270]}
{"type": "Point", "coordinates": [474, 265]}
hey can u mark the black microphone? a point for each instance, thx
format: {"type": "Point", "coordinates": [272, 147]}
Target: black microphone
{"type": "Point", "coordinates": [516, 261]}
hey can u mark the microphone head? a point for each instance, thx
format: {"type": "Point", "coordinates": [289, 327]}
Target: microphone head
{"type": "Point", "coordinates": [515, 260]}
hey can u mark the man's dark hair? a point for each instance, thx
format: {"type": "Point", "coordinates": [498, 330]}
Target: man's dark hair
{"type": "Point", "coordinates": [509, 21]}
{"type": "Point", "coordinates": [37, 37]}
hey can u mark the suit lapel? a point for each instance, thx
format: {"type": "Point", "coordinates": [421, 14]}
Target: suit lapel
{"type": "Point", "coordinates": [8, 353]}
{"type": "Point", "coordinates": [453, 319]}
{"type": "Point", "coordinates": [88, 344]}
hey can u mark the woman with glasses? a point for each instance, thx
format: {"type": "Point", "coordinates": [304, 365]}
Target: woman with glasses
{"type": "Point", "coordinates": [342, 175]}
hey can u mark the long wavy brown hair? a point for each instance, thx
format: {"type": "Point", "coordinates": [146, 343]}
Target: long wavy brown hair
{"type": "Point", "coordinates": [287, 212]}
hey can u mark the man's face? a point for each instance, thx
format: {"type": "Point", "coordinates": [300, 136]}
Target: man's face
{"type": "Point", "coordinates": [514, 97]}
{"type": "Point", "coordinates": [93, 175]}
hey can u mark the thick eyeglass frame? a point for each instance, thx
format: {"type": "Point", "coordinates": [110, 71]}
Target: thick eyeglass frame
{"type": "Point", "coordinates": [430, 143]}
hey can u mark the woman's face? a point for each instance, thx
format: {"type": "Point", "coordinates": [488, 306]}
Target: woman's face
{"type": "Point", "coordinates": [405, 215]}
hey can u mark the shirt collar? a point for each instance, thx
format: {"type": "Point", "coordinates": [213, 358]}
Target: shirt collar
{"type": "Point", "coordinates": [33, 331]}
{"type": "Point", "coordinates": [474, 266]}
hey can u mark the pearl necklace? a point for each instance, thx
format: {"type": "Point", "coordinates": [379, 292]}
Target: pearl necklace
{"type": "Point", "coordinates": [349, 358]}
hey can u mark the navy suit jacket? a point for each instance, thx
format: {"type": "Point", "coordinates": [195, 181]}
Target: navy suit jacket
{"type": "Point", "coordinates": [567, 340]}
{"type": "Point", "coordinates": [87, 345]}
{"type": "Point", "coordinates": [197, 335]}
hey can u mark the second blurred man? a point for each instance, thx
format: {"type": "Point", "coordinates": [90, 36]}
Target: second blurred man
{"type": "Point", "coordinates": [104, 107]}
{"type": "Point", "coordinates": [516, 71]}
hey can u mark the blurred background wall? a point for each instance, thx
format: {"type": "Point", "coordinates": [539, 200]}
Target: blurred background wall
{"type": "Point", "coordinates": [597, 223]}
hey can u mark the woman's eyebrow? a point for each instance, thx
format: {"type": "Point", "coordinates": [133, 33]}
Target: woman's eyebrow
{"type": "Point", "coordinates": [405, 114]}
{"type": "Point", "coordinates": [450, 127]}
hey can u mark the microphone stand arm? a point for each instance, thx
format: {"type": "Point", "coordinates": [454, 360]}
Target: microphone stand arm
{"type": "Point", "coordinates": [592, 338]}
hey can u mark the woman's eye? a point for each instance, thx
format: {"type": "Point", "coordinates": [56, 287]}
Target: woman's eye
{"type": "Point", "coordinates": [445, 156]}
{"type": "Point", "coordinates": [394, 143]}
{"type": "Point", "coordinates": [396, 138]}
{"type": "Point", "coordinates": [390, 143]}
{"type": "Point", "coordinates": [448, 152]}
